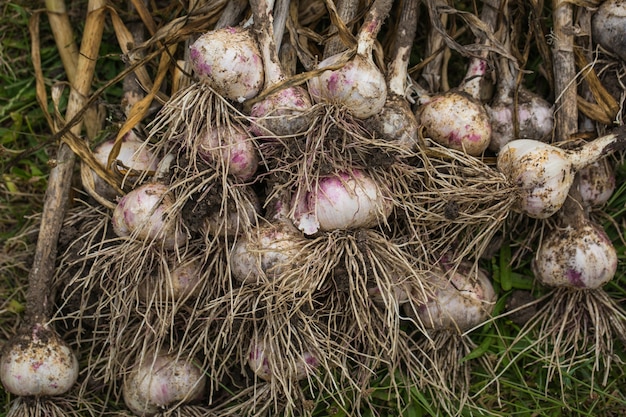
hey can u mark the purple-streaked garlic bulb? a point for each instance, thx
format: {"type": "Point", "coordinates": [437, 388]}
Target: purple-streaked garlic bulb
{"type": "Point", "coordinates": [143, 213]}
{"type": "Point", "coordinates": [396, 121]}
{"type": "Point", "coordinates": [463, 299]}
{"type": "Point", "coordinates": [267, 364]}
{"type": "Point", "coordinates": [608, 27]}
{"type": "Point", "coordinates": [160, 382]}
{"type": "Point", "coordinates": [543, 173]}
{"type": "Point", "coordinates": [535, 118]}
{"type": "Point", "coordinates": [576, 256]}
{"type": "Point", "coordinates": [457, 119]}
{"type": "Point", "coordinates": [282, 113]}
{"type": "Point", "coordinates": [359, 85]}
{"type": "Point", "coordinates": [133, 155]}
{"type": "Point", "coordinates": [516, 112]}
{"type": "Point", "coordinates": [38, 363]}
{"type": "Point", "coordinates": [233, 147]}
{"type": "Point", "coordinates": [596, 183]}
{"type": "Point", "coordinates": [265, 253]}
{"type": "Point", "coordinates": [229, 60]}
{"type": "Point", "coordinates": [285, 112]}
{"type": "Point", "coordinates": [346, 200]}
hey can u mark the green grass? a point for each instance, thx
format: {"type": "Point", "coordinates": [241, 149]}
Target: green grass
{"type": "Point", "coordinates": [25, 147]}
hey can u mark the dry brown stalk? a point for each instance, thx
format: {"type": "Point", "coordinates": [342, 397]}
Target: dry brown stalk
{"type": "Point", "coordinates": [64, 39]}
{"type": "Point", "coordinates": [564, 69]}
{"type": "Point", "coordinates": [435, 48]}
{"type": "Point", "coordinates": [343, 12]}
{"type": "Point", "coordinates": [63, 36]}
{"type": "Point", "coordinates": [57, 194]}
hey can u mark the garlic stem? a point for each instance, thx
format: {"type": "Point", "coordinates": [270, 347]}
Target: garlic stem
{"type": "Point", "coordinates": [263, 24]}
{"type": "Point", "coordinates": [398, 67]}
{"type": "Point", "coordinates": [435, 45]}
{"type": "Point", "coordinates": [281, 11]}
{"type": "Point", "coordinates": [231, 12]}
{"type": "Point", "coordinates": [371, 26]}
{"type": "Point", "coordinates": [598, 148]}
{"type": "Point", "coordinates": [478, 64]}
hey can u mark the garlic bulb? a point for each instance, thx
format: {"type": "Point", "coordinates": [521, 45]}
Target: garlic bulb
{"type": "Point", "coordinates": [38, 363]}
{"type": "Point", "coordinates": [156, 384]}
{"type": "Point", "coordinates": [133, 154]}
{"type": "Point", "coordinates": [285, 112]}
{"type": "Point", "coordinates": [596, 183]}
{"type": "Point", "coordinates": [608, 26]}
{"type": "Point", "coordinates": [456, 120]}
{"type": "Point", "coordinates": [577, 256]}
{"type": "Point", "coordinates": [535, 118]}
{"type": "Point", "coordinates": [463, 299]}
{"type": "Point", "coordinates": [233, 147]}
{"type": "Point", "coordinates": [396, 121]}
{"type": "Point", "coordinates": [543, 173]}
{"type": "Point", "coordinates": [265, 253]}
{"type": "Point", "coordinates": [143, 213]}
{"type": "Point", "coordinates": [346, 200]}
{"type": "Point", "coordinates": [358, 85]}
{"type": "Point", "coordinates": [182, 280]}
{"type": "Point", "coordinates": [229, 60]}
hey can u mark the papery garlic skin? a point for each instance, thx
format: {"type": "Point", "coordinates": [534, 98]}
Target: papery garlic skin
{"type": "Point", "coordinates": [542, 174]}
{"type": "Point", "coordinates": [233, 147]}
{"type": "Point", "coordinates": [143, 213]}
{"type": "Point", "coordinates": [461, 301]}
{"type": "Point", "coordinates": [346, 200]}
{"type": "Point", "coordinates": [359, 86]}
{"type": "Point", "coordinates": [38, 364]}
{"type": "Point", "coordinates": [230, 61]}
{"type": "Point", "coordinates": [155, 385]}
{"type": "Point", "coordinates": [265, 253]}
{"type": "Point", "coordinates": [581, 257]}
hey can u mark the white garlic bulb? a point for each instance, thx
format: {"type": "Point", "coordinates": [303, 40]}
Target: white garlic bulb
{"type": "Point", "coordinates": [576, 256]}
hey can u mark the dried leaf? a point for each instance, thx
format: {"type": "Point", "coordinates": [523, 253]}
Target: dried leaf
{"type": "Point", "coordinates": [141, 108]}
{"type": "Point", "coordinates": [605, 108]}
{"type": "Point", "coordinates": [40, 86]}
